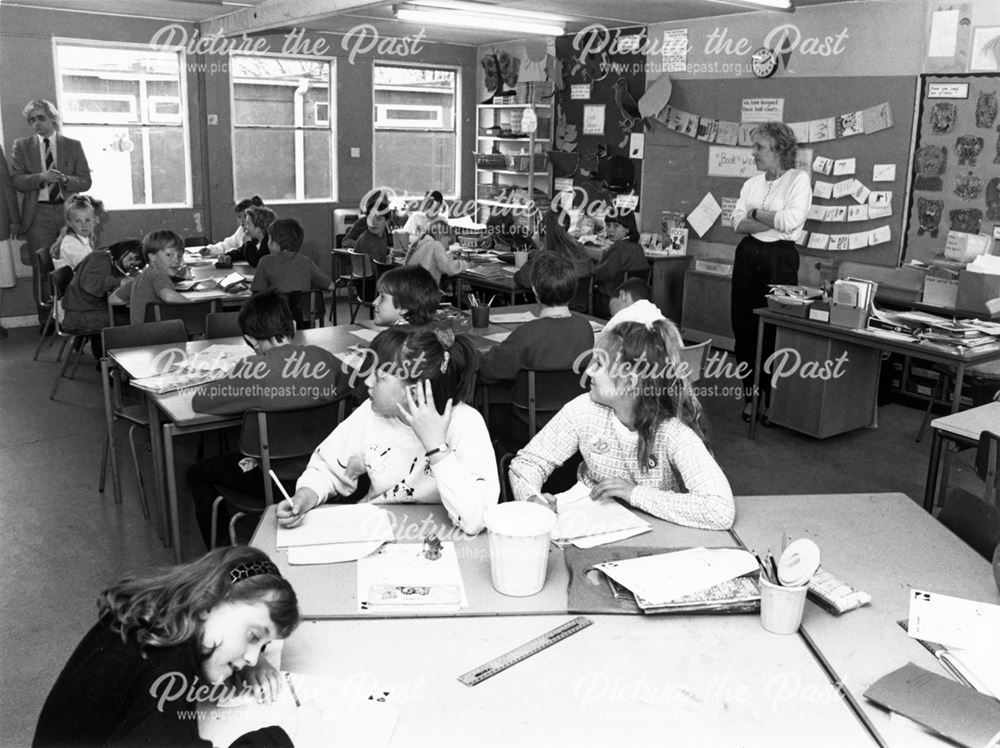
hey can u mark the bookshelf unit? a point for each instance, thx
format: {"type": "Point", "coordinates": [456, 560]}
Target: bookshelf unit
{"type": "Point", "coordinates": [508, 159]}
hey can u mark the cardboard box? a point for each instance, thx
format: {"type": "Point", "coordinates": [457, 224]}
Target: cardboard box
{"type": "Point", "coordinates": [975, 289]}
{"type": "Point", "coordinates": [785, 305]}
{"type": "Point", "coordinates": [853, 317]}
{"type": "Point", "coordinates": [940, 291]}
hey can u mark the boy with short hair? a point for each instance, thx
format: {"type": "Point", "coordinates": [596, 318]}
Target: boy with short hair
{"type": "Point", "coordinates": [633, 303]}
{"type": "Point", "coordinates": [286, 270]}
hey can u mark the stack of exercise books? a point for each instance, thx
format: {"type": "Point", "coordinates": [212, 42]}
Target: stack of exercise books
{"type": "Point", "coordinates": [935, 330]}
{"type": "Point", "coordinates": [637, 579]}
{"type": "Point", "coordinates": [209, 365]}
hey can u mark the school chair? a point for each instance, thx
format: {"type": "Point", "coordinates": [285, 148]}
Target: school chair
{"type": "Point", "coordinates": [43, 291]}
{"type": "Point", "coordinates": [192, 315]}
{"type": "Point", "coordinates": [277, 439]}
{"type": "Point", "coordinates": [343, 219]}
{"type": "Point", "coordinates": [350, 270]}
{"type": "Point", "coordinates": [222, 325]}
{"type": "Point", "coordinates": [60, 280]}
{"type": "Point", "coordinates": [536, 396]}
{"type": "Point", "coordinates": [583, 299]}
{"type": "Point", "coordinates": [115, 408]}
{"type": "Point", "coordinates": [307, 308]}
{"type": "Point", "coordinates": [694, 356]}
{"type": "Point", "coordinates": [975, 521]}
{"type": "Point", "coordinates": [988, 465]}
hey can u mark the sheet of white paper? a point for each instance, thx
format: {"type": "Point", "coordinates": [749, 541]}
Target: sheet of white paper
{"type": "Point", "coordinates": [512, 317]}
{"type": "Point", "coordinates": [668, 576]}
{"type": "Point", "coordinates": [499, 337]}
{"type": "Point", "coordinates": [344, 710]}
{"type": "Point", "coordinates": [404, 565]}
{"type": "Point", "coordinates": [884, 173]}
{"type": "Point", "coordinates": [705, 214]}
{"type": "Point", "coordinates": [844, 166]}
{"type": "Point", "coordinates": [823, 189]}
{"type": "Point", "coordinates": [366, 334]}
{"type": "Point", "coordinates": [333, 553]}
{"type": "Point", "coordinates": [466, 222]}
{"type": "Point", "coordinates": [953, 621]}
{"type": "Point", "coordinates": [346, 523]}
{"type": "Point", "coordinates": [944, 33]}
{"type": "Point", "coordinates": [580, 516]}
{"type": "Point", "coordinates": [592, 541]}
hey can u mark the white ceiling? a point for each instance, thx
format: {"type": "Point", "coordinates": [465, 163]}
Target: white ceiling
{"type": "Point", "coordinates": [612, 13]}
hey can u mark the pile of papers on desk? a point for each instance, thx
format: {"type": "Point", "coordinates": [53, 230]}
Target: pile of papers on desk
{"type": "Point", "coordinates": [694, 579]}
{"type": "Point", "coordinates": [335, 533]}
{"type": "Point", "coordinates": [404, 578]}
{"type": "Point", "coordinates": [211, 364]}
{"type": "Point", "coordinates": [934, 329]}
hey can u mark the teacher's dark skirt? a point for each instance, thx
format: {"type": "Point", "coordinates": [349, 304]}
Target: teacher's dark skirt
{"type": "Point", "coordinates": [757, 265]}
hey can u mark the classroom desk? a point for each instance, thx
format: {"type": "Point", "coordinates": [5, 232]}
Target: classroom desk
{"type": "Point", "coordinates": [870, 340]}
{"type": "Point", "coordinates": [962, 429]}
{"type": "Point", "coordinates": [702, 680]}
{"type": "Point", "coordinates": [171, 415]}
{"type": "Point", "coordinates": [885, 545]}
{"type": "Point", "coordinates": [496, 277]}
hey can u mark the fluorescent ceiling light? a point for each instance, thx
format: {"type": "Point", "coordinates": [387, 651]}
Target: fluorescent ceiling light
{"type": "Point", "coordinates": [478, 16]}
{"type": "Point", "coordinates": [785, 5]}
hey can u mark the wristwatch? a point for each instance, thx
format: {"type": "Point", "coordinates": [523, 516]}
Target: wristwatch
{"type": "Point", "coordinates": [753, 214]}
{"type": "Point", "coordinates": [442, 447]}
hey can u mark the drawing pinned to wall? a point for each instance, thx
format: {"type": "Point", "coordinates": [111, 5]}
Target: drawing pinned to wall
{"type": "Point", "coordinates": [948, 31]}
{"type": "Point", "coordinates": [986, 109]}
{"type": "Point", "coordinates": [628, 110]}
{"type": "Point", "coordinates": [985, 49]}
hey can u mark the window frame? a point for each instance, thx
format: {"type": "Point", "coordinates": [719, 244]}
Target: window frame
{"type": "Point", "coordinates": [183, 121]}
{"type": "Point", "coordinates": [331, 125]}
{"type": "Point", "coordinates": [456, 115]}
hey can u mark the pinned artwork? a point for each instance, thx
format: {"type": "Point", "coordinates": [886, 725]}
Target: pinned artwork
{"type": "Point", "coordinates": [877, 118]}
{"type": "Point", "coordinates": [843, 188]}
{"type": "Point", "coordinates": [943, 116]}
{"type": "Point", "coordinates": [993, 200]}
{"type": "Point", "coordinates": [884, 173]}
{"type": "Point", "coordinates": [844, 166]}
{"type": "Point", "coordinates": [968, 187]}
{"type": "Point", "coordinates": [929, 216]}
{"type": "Point", "coordinates": [823, 189]}
{"type": "Point", "coordinates": [849, 124]}
{"type": "Point", "coordinates": [818, 241]}
{"type": "Point", "coordinates": [966, 220]}
{"type": "Point", "coordinates": [840, 241]}
{"type": "Point", "coordinates": [879, 236]}
{"type": "Point", "coordinates": [822, 129]}
{"type": "Point", "coordinates": [823, 165]}
{"type": "Point", "coordinates": [836, 213]}
{"type": "Point", "coordinates": [816, 213]}
{"type": "Point", "coordinates": [986, 109]}
{"type": "Point", "coordinates": [968, 147]}
{"type": "Point", "coordinates": [857, 212]}
{"type": "Point", "coordinates": [727, 133]}
{"type": "Point", "coordinates": [745, 134]}
{"type": "Point", "coordinates": [930, 161]}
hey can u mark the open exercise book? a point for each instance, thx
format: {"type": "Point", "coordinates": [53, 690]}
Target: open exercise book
{"type": "Point", "coordinates": [335, 533]}
{"type": "Point", "coordinates": [689, 580]}
{"type": "Point", "coordinates": [315, 712]}
{"type": "Point", "coordinates": [208, 365]}
{"type": "Point", "coordinates": [586, 523]}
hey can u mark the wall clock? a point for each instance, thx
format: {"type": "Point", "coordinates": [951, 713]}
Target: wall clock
{"type": "Point", "coordinates": [764, 62]}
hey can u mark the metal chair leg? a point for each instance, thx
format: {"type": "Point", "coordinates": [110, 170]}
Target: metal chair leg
{"type": "Point", "coordinates": [62, 349]}
{"type": "Point", "coordinates": [105, 450]}
{"type": "Point", "coordinates": [62, 373]}
{"type": "Point", "coordinates": [138, 472]}
{"type": "Point", "coordinates": [232, 527]}
{"type": "Point", "coordinates": [42, 336]}
{"type": "Point", "coordinates": [215, 521]}
{"type": "Point", "coordinates": [78, 346]}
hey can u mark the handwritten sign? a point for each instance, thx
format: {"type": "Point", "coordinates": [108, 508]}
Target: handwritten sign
{"type": "Point", "coordinates": [947, 90]}
{"type": "Point", "coordinates": [579, 91]}
{"type": "Point", "coordinates": [726, 161]}
{"type": "Point", "coordinates": [674, 51]}
{"type": "Point", "coordinates": [762, 110]}
{"type": "Point", "coordinates": [593, 119]}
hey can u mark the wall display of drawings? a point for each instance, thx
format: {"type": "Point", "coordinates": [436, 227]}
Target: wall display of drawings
{"type": "Point", "coordinates": [956, 164]}
{"type": "Point", "coordinates": [856, 150]}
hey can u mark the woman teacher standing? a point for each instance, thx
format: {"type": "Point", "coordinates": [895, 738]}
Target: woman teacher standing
{"type": "Point", "coordinates": [771, 211]}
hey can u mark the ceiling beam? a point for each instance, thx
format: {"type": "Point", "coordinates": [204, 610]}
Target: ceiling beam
{"type": "Point", "coordinates": [274, 14]}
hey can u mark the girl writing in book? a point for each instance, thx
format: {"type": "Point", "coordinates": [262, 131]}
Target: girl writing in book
{"type": "Point", "coordinates": [416, 437]}
{"type": "Point", "coordinates": [640, 431]}
{"type": "Point", "coordinates": [202, 625]}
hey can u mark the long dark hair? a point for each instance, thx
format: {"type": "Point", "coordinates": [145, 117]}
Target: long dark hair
{"type": "Point", "coordinates": [166, 607]}
{"type": "Point", "coordinates": [653, 354]}
{"type": "Point", "coordinates": [449, 361]}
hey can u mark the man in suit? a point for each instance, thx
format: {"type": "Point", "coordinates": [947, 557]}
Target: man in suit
{"type": "Point", "coordinates": [47, 168]}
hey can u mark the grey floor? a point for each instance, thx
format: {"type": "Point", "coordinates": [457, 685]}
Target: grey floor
{"type": "Point", "coordinates": [61, 541]}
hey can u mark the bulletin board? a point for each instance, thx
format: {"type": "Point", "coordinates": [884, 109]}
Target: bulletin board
{"type": "Point", "coordinates": [675, 169]}
{"type": "Point", "coordinates": [956, 182]}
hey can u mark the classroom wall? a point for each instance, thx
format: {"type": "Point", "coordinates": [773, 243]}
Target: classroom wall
{"type": "Point", "coordinates": [884, 42]}
{"type": "Point", "coordinates": [29, 72]}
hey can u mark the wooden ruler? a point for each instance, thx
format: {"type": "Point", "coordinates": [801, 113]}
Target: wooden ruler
{"type": "Point", "coordinates": [504, 661]}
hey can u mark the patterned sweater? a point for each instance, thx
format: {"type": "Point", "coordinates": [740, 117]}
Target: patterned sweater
{"type": "Point", "coordinates": [388, 450]}
{"type": "Point", "coordinates": [684, 485]}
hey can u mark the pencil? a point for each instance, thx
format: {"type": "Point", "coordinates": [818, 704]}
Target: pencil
{"type": "Point", "coordinates": [291, 687]}
{"type": "Point", "coordinates": [283, 491]}
{"type": "Point", "coordinates": [534, 491]}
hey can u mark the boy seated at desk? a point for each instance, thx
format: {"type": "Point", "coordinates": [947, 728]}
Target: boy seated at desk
{"type": "Point", "coordinates": [624, 256]}
{"type": "Point", "coordinates": [163, 251]}
{"type": "Point", "coordinates": [555, 340]}
{"type": "Point", "coordinates": [256, 223]}
{"type": "Point", "coordinates": [288, 271]}
{"type": "Point", "coordinates": [632, 302]}
{"type": "Point", "coordinates": [278, 375]}
{"type": "Point", "coordinates": [370, 233]}
{"type": "Point", "coordinates": [429, 209]}
{"type": "Point", "coordinates": [430, 251]}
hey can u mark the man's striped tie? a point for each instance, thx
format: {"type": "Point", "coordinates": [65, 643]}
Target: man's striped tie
{"type": "Point", "coordinates": [51, 190]}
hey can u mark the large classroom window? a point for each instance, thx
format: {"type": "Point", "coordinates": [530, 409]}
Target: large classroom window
{"type": "Point", "coordinates": [415, 138]}
{"type": "Point", "coordinates": [283, 128]}
{"type": "Point", "coordinates": [127, 105]}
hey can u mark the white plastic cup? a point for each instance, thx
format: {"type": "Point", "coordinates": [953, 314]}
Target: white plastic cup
{"type": "Point", "coordinates": [519, 534]}
{"type": "Point", "coordinates": [520, 258]}
{"type": "Point", "coordinates": [781, 607]}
